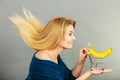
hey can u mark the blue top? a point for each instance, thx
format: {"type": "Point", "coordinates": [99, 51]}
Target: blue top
{"type": "Point", "coordinates": [48, 70]}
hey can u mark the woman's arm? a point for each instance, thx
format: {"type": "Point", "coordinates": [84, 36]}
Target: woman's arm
{"type": "Point", "coordinates": [85, 76]}
{"type": "Point", "coordinates": [80, 63]}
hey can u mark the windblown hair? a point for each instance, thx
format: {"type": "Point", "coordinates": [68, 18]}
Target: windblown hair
{"type": "Point", "coordinates": [36, 35]}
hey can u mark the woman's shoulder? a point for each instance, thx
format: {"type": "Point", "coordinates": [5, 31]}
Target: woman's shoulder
{"type": "Point", "coordinates": [41, 59]}
{"type": "Point", "coordinates": [42, 55]}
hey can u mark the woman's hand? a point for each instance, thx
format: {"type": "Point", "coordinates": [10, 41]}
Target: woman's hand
{"type": "Point", "coordinates": [80, 63]}
{"type": "Point", "coordinates": [83, 55]}
{"type": "Point", "coordinates": [96, 71]}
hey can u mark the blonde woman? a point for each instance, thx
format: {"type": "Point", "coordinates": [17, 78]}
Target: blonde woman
{"type": "Point", "coordinates": [49, 41]}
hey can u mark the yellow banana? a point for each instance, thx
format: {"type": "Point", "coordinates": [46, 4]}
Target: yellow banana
{"type": "Point", "coordinates": [99, 55]}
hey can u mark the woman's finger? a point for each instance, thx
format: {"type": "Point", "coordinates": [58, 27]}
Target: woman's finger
{"type": "Point", "coordinates": [107, 70]}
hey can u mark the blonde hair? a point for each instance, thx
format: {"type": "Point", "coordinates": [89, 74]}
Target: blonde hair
{"type": "Point", "coordinates": [39, 37]}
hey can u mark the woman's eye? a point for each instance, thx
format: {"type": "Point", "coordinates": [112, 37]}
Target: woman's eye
{"type": "Point", "coordinates": [70, 34]}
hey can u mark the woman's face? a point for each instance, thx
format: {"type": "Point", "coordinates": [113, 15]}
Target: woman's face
{"type": "Point", "coordinates": [67, 42]}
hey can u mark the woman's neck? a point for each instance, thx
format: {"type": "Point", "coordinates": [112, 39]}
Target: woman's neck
{"type": "Point", "coordinates": [49, 54]}
{"type": "Point", "coordinates": [54, 53]}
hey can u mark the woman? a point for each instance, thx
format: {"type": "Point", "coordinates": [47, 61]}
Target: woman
{"type": "Point", "coordinates": [49, 42]}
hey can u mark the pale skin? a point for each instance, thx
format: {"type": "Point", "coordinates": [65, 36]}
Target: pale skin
{"type": "Point", "coordinates": [66, 43]}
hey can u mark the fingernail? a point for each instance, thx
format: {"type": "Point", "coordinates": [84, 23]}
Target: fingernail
{"type": "Point", "coordinates": [84, 52]}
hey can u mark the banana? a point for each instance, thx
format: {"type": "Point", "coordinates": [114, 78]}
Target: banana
{"type": "Point", "coordinates": [99, 55]}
